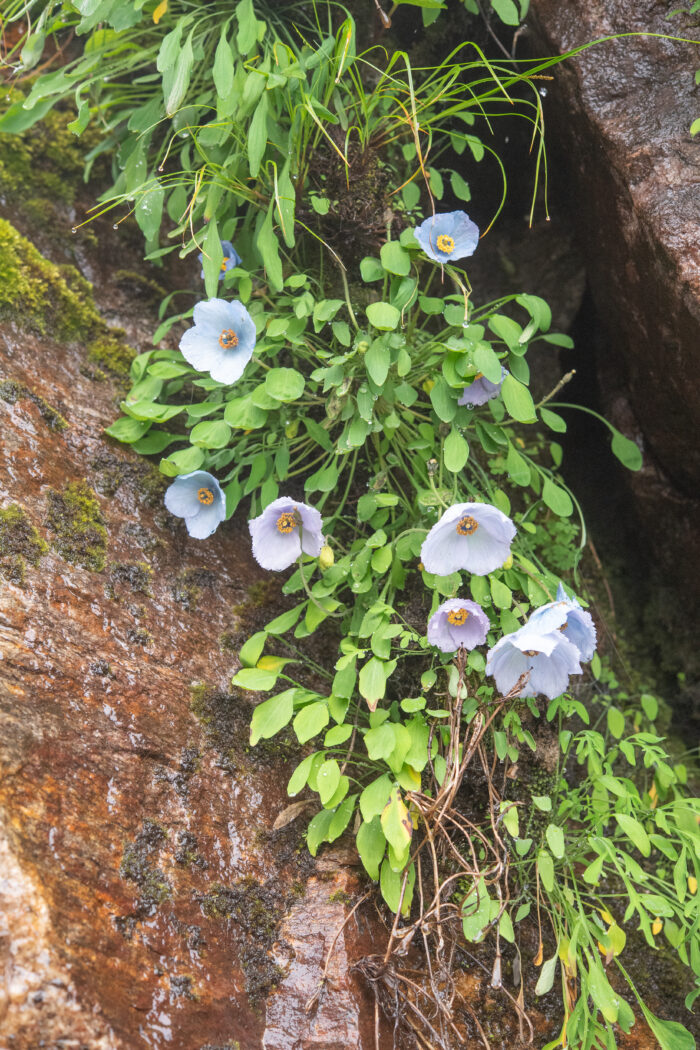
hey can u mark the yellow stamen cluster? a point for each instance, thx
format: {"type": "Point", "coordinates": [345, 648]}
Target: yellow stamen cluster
{"type": "Point", "coordinates": [467, 525]}
{"type": "Point", "coordinates": [445, 244]}
{"type": "Point", "coordinates": [457, 616]}
{"type": "Point", "coordinates": [530, 652]}
{"type": "Point", "coordinates": [205, 496]}
{"type": "Point", "coordinates": [228, 339]}
{"type": "Point", "coordinates": [288, 521]}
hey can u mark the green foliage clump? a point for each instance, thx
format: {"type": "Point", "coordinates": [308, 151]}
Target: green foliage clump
{"type": "Point", "coordinates": [20, 543]}
{"type": "Point", "coordinates": [75, 517]}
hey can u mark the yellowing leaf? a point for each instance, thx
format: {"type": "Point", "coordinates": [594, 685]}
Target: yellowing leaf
{"type": "Point", "coordinates": [160, 11]}
{"type": "Point", "coordinates": [271, 663]}
{"type": "Point", "coordinates": [396, 823]}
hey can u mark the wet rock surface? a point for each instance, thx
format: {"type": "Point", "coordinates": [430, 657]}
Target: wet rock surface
{"type": "Point", "coordinates": [145, 898]}
{"type": "Point", "coordinates": [618, 116]}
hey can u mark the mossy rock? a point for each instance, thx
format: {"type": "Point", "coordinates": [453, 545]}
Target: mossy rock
{"type": "Point", "coordinates": [18, 537]}
{"type": "Point", "coordinates": [44, 298]}
{"type": "Point", "coordinates": [80, 534]}
{"type": "Point", "coordinates": [12, 392]}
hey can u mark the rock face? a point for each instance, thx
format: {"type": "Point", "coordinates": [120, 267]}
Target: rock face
{"type": "Point", "coordinates": [618, 116]}
{"type": "Point", "coordinates": [145, 899]}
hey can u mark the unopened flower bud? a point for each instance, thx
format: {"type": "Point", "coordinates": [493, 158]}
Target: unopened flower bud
{"type": "Point", "coordinates": [657, 926]}
{"type": "Point", "coordinates": [362, 346]}
{"type": "Point", "coordinates": [432, 466]}
{"type": "Point", "coordinates": [692, 884]}
{"type": "Point", "coordinates": [326, 558]}
{"type": "Point", "coordinates": [428, 385]}
{"type": "Point", "coordinates": [291, 429]}
{"type": "Point", "coordinates": [508, 563]}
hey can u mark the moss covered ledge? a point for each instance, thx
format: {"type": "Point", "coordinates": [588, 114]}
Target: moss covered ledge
{"type": "Point", "coordinates": [43, 298]}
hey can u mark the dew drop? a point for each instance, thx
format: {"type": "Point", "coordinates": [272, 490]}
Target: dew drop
{"type": "Point", "coordinates": [115, 226]}
{"type": "Point", "coordinates": [74, 229]}
{"type": "Point", "coordinates": [161, 168]}
{"type": "Point", "coordinates": [543, 92]}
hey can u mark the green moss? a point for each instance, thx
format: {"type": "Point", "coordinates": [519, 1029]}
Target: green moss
{"type": "Point", "coordinates": [14, 569]}
{"type": "Point", "coordinates": [11, 391]}
{"type": "Point", "coordinates": [188, 585]}
{"type": "Point", "coordinates": [137, 867]}
{"type": "Point", "coordinates": [229, 642]}
{"type": "Point", "coordinates": [112, 353]}
{"type": "Point", "coordinates": [340, 897]}
{"type": "Point", "coordinates": [137, 285]}
{"type": "Point", "coordinates": [80, 535]}
{"type": "Point", "coordinates": [139, 636]}
{"type": "Point", "coordinates": [43, 163]}
{"type": "Point", "coordinates": [55, 300]}
{"type": "Point", "coordinates": [137, 574]}
{"type": "Point", "coordinates": [18, 537]}
{"type": "Point", "coordinates": [257, 910]}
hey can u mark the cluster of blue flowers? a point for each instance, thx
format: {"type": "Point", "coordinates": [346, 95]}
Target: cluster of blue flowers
{"type": "Point", "coordinates": [471, 537]}
{"type": "Point", "coordinates": [476, 537]}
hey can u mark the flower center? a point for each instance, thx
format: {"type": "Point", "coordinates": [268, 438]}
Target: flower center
{"type": "Point", "coordinates": [467, 525]}
{"type": "Point", "coordinates": [457, 616]}
{"type": "Point", "coordinates": [288, 521]}
{"type": "Point", "coordinates": [445, 244]}
{"type": "Point", "coordinates": [205, 496]}
{"type": "Point", "coordinates": [224, 265]}
{"type": "Point", "coordinates": [531, 652]}
{"type": "Point", "coordinates": [228, 339]}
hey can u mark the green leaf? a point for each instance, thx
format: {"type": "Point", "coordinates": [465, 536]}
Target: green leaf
{"type": "Point", "coordinates": [327, 780]}
{"type": "Point", "coordinates": [670, 1035]}
{"type": "Point", "coordinates": [298, 779]}
{"type": "Point", "coordinates": [375, 796]}
{"type": "Point", "coordinates": [377, 361]}
{"type": "Point", "coordinates": [317, 831]}
{"type": "Point", "coordinates": [182, 462]}
{"type": "Point", "coordinates": [395, 259]}
{"type": "Point", "coordinates": [371, 845]}
{"type": "Point", "coordinates": [211, 434]}
{"type": "Point", "coordinates": [179, 83]}
{"type": "Point", "coordinates": [626, 451]}
{"type": "Point", "coordinates": [222, 70]}
{"type": "Point", "coordinates": [553, 420]}
{"type": "Point", "coordinates": [555, 840]}
{"type": "Point", "coordinates": [272, 715]}
{"type": "Point", "coordinates": [557, 498]}
{"type": "Point", "coordinates": [517, 467]}
{"type": "Point", "coordinates": [149, 211]}
{"type": "Point", "coordinates": [267, 244]}
{"type": "Point", "coordinates": [546, 978]}
{"type": "Point", "coordinates": [310, 720]}
{"type": "Point", "coordinates": [396, 823]}
{"type": "Point", "coordinates": [127, 430]}
{"type": "Point", "coordinates": [371, 269]}
{"type": "Point", "coordinates": [518, 400]}
{"type": "Point", "coordinates": [616, 722]}
{"type": "Point", "coordinates": [459, 187]}
{"type": "Point", "coordinates": [383, 316]}
{"type": "Point", "coordinates": [635, 832]}
{"type": "Point", "coordinates": [545, 867]}
{"type": "Point", "coordinates": [242, 414]}
{"type": "Point", "coordinates": [506, 11]}
{"type": "Point", "coordinates": [284, 384]}
{"type": "Point", "coordinates": [257, 136]}
{"type": "Point", "coordinates": [257, 679]}
{"type": "Point", "coordinates": [455, 451]}
{"type": "Point", "coordinates": [444, 401]}
{"type": "Point", "coordinates": [543, 802]}
{"type": "Point", "coordinates": [251, 650]}
{"type": "Point", "coordinates": [372, 683]}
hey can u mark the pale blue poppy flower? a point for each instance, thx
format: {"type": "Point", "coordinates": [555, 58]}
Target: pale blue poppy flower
{"type": "Point", "coordinates": [222, 340]}
{"type": "Point", "coordinates": [549, 658]}
{"type": "Point", "coordinates": [565, 614]}
{"type": "Point", "coordinates": [447, 237]}
{"type": "Point", "coordinates": [231, 258]}
{"type": "Point", "coordinates": [471, 536]}
{"type": "Point", "coordinates": [457, 623]}
{"type": "Point", "coordinates": [481, 390]}
{"type": "Point", "coordinates": [283, 530]}
{"type": "Point", "coordinates": [197, 497]}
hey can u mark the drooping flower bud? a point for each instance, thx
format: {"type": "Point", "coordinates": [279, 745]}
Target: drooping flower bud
{"type": "Point", "coordinates": [326, 558]}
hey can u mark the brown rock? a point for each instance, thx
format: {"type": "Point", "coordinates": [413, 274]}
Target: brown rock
{"type": "Point", "coordinates": [617, 117]}
{"type": "Point", "coordinates": [145, 899]}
